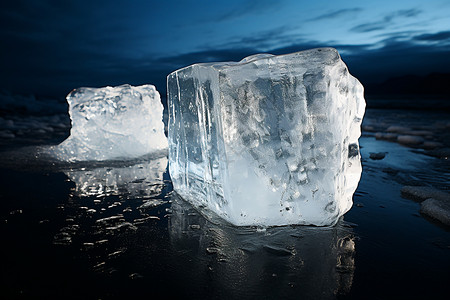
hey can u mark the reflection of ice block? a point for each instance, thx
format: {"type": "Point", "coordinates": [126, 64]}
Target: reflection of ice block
{"type": "Point", "coordinates": [113, 122]}
{"type": "Point", "coordinates": [296, 262]}
{"type": "Point", "coordinates": [270, 140]}
{"type": "Point", "coordinates": [142, 180]}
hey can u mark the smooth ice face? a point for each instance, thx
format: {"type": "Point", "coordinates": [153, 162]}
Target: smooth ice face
{"type": "Point", "coordinates": [113, 122]}
{"type": "Point", "coordinates": [270, 140]}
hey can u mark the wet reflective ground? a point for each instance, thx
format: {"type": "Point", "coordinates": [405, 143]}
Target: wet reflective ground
{"type": "Point", "coordinates": [116, 230]}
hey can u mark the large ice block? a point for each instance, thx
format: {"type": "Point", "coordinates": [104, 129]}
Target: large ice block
{"type": "Point", "coordinates": [270, 140]}
{"type": "Point", "coordinates": [113, 122]}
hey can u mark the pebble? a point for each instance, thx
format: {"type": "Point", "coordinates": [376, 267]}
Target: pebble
{"type": "Point", "coordinates": [436, 209]}
{"type": "Point", "coordinates": [368, 128]}
{"type": "Point", "coordinates": [386, 136]}
{"type": "Point", "coordinates": [410, 139]}
{"type": "Point", "coordinates": [399, 129]}
{"type": "Point", "coordinates": [419, 132]}
{"type": "Point", "coordinates": [421, 193]}
{"type": "Point", "coordinates": [431, 145]}
{"type": "Point", "coordinates": [377, 156]}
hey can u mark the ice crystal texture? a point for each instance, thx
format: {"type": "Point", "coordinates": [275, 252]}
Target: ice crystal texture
{"type": "Point", "coordinates": [113, 122]}
{"type": "Point", "coordinates": [270, 140]}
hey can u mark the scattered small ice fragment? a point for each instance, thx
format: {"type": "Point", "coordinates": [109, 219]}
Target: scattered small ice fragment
{"type": "Point", "coordinates": [122, 226]}
{"type": "Point", "coordinates": [248, 139]}
{"type": "Point", "coordinates": [110, 220]}
{"type": "Point", "coordinates": [212, 250]}
{"type": "Point", "coordinates": [145, 219]}
{"type": "Point", "coordinates": [151, 203]}
{"type": "Point", "coordinates": [101, 242]}
{"type": "Point", "coordinates": [99, 265]}
{"type": "Point", "coordinates": [113, 122]}
{"type": "Point", "coordinates": [62, 238]}
{"type": "Point", "coordinates": [437, 209]}
{"type": "Point", "coordinates": [116, 254]}
{"type": "Point", "coordinates": [135, 276]}
{"type": "Point", "coordinates": [88, 245]}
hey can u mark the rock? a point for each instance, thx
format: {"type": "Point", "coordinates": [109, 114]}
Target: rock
{"type": "Point", "coordinates": [431, 145]}
{"type": "Point", "coordinates": [398, 129]}
{"type": "Point", "coordinates": [421, 193]}
{"type": "Point", "coordinates": [377, 156]}
{"type": "Point", "coordinates": [410, 139]}
{"type": "Point", "coordinates": [386, 136]}
{"type": "Point", "coordinates": [436, 209]}
{"type": "Point", "coordinates": [419, 132]}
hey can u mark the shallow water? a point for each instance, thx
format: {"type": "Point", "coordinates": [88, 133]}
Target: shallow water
{"type": "Point", "coordinates": [116, 230]}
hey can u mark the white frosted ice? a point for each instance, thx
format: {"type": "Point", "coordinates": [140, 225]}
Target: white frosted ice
{"type": "Point", "coordinates": [270, 140]}
{"type": "Point", "coordinates": [113, 122]}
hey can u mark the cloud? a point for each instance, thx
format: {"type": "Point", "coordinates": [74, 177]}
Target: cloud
{"type": "Point", "coordinates": [394, 56]}
{"type": "Point", "coordinates": [407, 13]}
{"type": "Point", "coordinates": [386, 21]}
{"type": "Point", "coordinates": [434, 37]}
{"type": "Point", "coordinates": [68, 51]}
{"type": "Point", "coordinates": [247, 8]}
{"type": "Point", "coordinates": [207, 55]}
{"type": "Point", "coordinates": [337, 14]}
{"type": "Point", "coordinates": [368, 27]}
{"type": "Point", "coordinates": [264, 40]}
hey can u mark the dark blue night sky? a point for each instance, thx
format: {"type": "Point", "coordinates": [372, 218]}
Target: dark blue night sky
{"type": "Point", "coordinates": [49, 47]}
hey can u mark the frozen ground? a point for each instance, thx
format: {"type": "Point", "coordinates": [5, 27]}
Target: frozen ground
{"type": "Point", "coordinates": [115, 229]}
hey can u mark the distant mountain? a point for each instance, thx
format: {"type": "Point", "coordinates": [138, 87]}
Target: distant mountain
{"type": "Point", "coordinates": [433, 85]}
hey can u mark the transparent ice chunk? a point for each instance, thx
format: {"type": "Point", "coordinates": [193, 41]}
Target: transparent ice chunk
{"type": "Point", "coordinates": [270, 140]}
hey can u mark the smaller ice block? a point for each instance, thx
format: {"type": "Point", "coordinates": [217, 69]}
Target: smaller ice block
{"type": "Point", "coordinates": [112, 123]}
